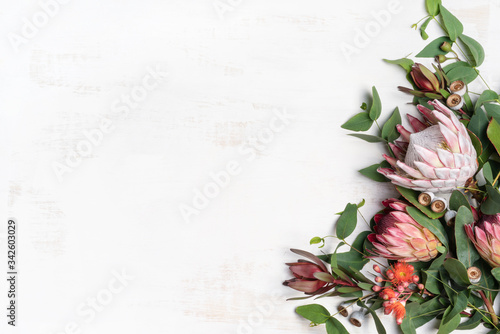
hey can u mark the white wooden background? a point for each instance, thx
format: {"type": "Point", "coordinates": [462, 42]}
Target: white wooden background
{"type": "Point", "coordinates": [223, 75]}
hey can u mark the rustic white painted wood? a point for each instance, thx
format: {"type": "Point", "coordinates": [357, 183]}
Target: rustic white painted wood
{"type": "Point", "coordinates": [160, 96]}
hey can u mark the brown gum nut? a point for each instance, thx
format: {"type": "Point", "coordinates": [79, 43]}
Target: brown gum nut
{"type": "Point", "coordinates": [474, 274]}
{"type": "Point", "coordinates": [425, 199]}
{"type": "Point", "coordinates": [438, 205]}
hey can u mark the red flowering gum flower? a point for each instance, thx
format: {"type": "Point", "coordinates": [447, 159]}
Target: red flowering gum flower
{"type": "Point", "coordinates": [403, 272]}
{"type": "Point", "coordinates": [399, 237]}
{"type": "Point", "coordinates": [310, 277]}
{"type": "Point", "coordinates": [399, 311]}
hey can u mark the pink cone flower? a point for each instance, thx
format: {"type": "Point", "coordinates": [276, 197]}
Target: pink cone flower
{"type": "Point", "coordinates": [399, 237]}
{"type": "Point", "coordinates": [485, 235]}
{"type": "Point", "coordinates": [437, 157]}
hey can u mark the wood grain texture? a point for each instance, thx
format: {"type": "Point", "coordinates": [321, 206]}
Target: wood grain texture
{"type": "Point", "coordinates": [120, 206]}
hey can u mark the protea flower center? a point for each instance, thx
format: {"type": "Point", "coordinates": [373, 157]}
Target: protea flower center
{"type": "Point", "coordinates": [438, 156]}
{"type": "Point", "coordinates": [430, 138]}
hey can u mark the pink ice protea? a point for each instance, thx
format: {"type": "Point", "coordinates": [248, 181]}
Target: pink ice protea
{"type": "Point", "coordinates": [437, 157]}
{"type": "Point", "coordinates": [485, 235]}
{"type": "Point", "coordinates": [399, 237]}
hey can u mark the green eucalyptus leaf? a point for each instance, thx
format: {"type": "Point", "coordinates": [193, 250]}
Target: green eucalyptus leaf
{"type": "Point", "coordinates": [493, 110]}
{"type": "Point", "coordinates": [353, 258]}
{"type": "Point", "coordinates": [359, 276]}
{"type": "Point", "coordinates": [432, 7]}
{"type": "Point", "coordinates": [493, 133]}
{"type": "Point", "coordinates": [433, 48]}
{"type": "Point", "coordinates": [478, 125]}
{"type": "Point", "coordinates": [458, 199]}
{"type": "Point", "coordinates": [423, 27]}
{"type": "Point", "coordinates": [486, 96]}
{"type": "Point", "coordinates": [315, 240]}
{"type": "Point", "coordinates": [472, 323]}
{"type": "Point", "coordinates": [359, 122]}
{"type": "Point", "coordinates": [389, 131]}
{"type": "Point", "coordinates": [368, 138]}
{"type": "Point", "coordinates": [453, 26]}
{"type": "Point", "coordinates": [408, 325]}
{"type": "Point", "coordinates": [491, 170]}
{"type": "Point", "coordinates": [449, 325]}
{"type": "Point", "coordinates": [457, 271]}
{"type": "Point", "coordinates": [347, 221]}
{"type": "Point", "coordinates": [376, 107]}
{"type": "Point", "coordinates": [466, 252]}
{"type": "Point", "coordinates": [371, 172]}
{"type": "Point", "coordinates": [464, 73]}
{"type": "Point", "coordinates": [478, 146]}
{"type": "Point", "coordinates": [475, 50]}
{"type": "Point", "coordinates": [459, 304]}
{"type": "Point", "coordinates": [492, 204]}
{"type": "Point", "coordinates": [315, 313]}
{"type": "Point", "coordinates": [365, 286]}
{"type": "Point", "coordinates": [403, 62]}
{"type": "Point", "coordinates": [496, 273]}
{"type": "Point", "coordinates": [378, 323]}
{"type": "Point", "coordinates": [333, 326]}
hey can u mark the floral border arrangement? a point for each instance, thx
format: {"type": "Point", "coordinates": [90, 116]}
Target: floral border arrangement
{"type": "Point", "coordinates": [435, 250]}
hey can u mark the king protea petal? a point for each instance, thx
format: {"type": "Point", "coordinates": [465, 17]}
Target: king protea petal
{"type": "Point", "coordinates": [399, 237]}
{"type": "Point", "coordinates": [437, 157]}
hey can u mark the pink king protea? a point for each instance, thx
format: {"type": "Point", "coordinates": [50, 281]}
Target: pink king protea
{"type": "Point", "coordinates": [399, 237]}
{"type": "Point", "coordinates": [485, 235]}
{"type": "Point", "coordinates": [437, 157]}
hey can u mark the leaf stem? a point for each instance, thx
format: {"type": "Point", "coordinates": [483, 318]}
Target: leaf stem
{"type": "Point", "coordinates": [489, 306]}
{"type": "Point", "coordinates": [383, 265]}
{"type": "Point", "coordinates": [496, 179]}
{"type": "Point", "coordinates": [359, 211]}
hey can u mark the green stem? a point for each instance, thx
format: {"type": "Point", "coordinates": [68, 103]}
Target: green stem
{"type": "Point", "coordinates": [363, 218]}
{"type": "Point", "coordinates": [489, 306]}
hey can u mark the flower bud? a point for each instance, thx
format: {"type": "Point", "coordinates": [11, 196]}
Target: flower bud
{"type": "Point", "coordinates": [415, 279]}
{"type": "Point", "coordinates": [421, 286]}
{"type": "Point", "coordinates": [378, 279]}
{"type": "Point", "coordinates": [446, 47]}
{"type": "Point", "coordinates": [441, 59]}
{"type": "Point", "coordinates": [401, 288]}
{"type": "Point", "coordinates": [474, 274]}
{"type": "Point", "coordinates": [390, 274]}
{"type": "Point", "coordinates": [454, 102]}
{"type": "Point", "coordinates": [376, 268]}
{"type": "Point", "coordinates": [376, 288]}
